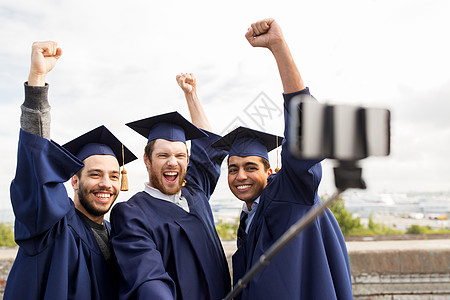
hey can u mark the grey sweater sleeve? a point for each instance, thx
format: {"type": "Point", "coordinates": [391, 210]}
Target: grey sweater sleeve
{"type": "Point", "coordinates": [35, 117]}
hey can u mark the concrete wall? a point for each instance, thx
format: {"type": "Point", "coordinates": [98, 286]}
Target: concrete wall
{"type": "Point", "coordinates": [408, 267]}
{"type": "Point", "coordinates": [381, 270]}
{"type": "Point", "coordinates": [418, 269]}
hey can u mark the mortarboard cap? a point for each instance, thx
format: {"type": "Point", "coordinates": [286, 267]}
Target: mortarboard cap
{"type": "Point", "coordinates": [99, 141]}
{"type": "Point", "coordinates": [170, 126]}
{"type": "Point", "coordinates": [248, 142]}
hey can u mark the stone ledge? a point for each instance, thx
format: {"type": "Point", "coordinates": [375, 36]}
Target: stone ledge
{"type": "Point", "coordinates": [415, 237]}
{"type": "Point", "coordinates": [400, 279]}
{"type": "Point", "coordinates": [381, 270]}
{"type": "Point", "coordinates": [399, 257]}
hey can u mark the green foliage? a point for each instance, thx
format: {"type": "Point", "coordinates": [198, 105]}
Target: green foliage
{"type": "Point", "coordinates": [417, 229]}
{"type": "Point", "coordinates": [227, 230]}
{"type": "Point", "coordinates": [381, 229]}
{"type": "Point", "coordinates": [352, 226]}
{"type": "Point", "coordinates": [347, 223]}
{"type": "Point", "coordinates": [7, 235]}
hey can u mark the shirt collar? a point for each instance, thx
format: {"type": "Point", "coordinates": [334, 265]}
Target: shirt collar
{"type": "Point", "coordinates": [158, 194]}
{"type": "Point", "coordinates": [254, 206]}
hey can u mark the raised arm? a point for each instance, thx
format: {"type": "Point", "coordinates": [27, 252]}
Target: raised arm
{"type": "Point", "coordinates": [188, 84]}
{"type": "Point", "coordinates": [35, 116]}
{"type": "Point", "coordinates": [301, 177]}
{"type": "Point", "coordinates": [38, 194]}
{"type": "Point", "coordinates": [267, 34]}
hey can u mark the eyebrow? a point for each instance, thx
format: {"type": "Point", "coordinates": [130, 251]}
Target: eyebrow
{"type": "Point", "coordinates": [167, 153]}
{"type": "Point", "coordinates": [101, 171]}
{"type": "Point", "coordinates": [245, 165]}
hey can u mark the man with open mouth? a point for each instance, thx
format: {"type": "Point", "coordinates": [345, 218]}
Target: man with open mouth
{"type": "Point", "coordinates": [164, 237]}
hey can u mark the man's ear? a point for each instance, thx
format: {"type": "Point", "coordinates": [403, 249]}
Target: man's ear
{"type": "Point", "coordinates": [269, 172]}
{"type": "Point", "coordinates": [187, 153]}
{"type": "Point", "coordinates": [146, 161]}
{"type": "Point", "coordinates": [75, 181]}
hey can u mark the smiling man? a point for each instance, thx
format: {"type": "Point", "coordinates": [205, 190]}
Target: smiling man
{"type": "Point", "coordinates": [164, 237]}
{"type": "Point", "coordinates": [64, 247]}
{"type": "Point", "coordinates": [248, 170]}
{"type": "Point", "coordinates": [315, 264]}
{"type": "Point", "coordinates": [248, 161]}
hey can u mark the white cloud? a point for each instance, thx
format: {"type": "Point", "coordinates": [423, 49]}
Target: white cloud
{"type": "Point", "coordinates": [120, 60]}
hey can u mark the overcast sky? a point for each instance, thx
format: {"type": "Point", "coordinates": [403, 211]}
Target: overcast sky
{"type": "Point", "coordinates": [120, 61]}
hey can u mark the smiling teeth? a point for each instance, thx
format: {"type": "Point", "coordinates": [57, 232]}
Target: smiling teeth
{"type": "Point", "coordinates": [242, 187]}
{"type": "Point", "coordinates": [171, 173]}
{"type": "Point", "coordinates": [102, 195]}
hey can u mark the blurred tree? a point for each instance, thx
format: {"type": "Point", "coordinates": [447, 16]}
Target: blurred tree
{"type": "Point", "coordinates": [227, 230]}
{"type": "Point", "coordinates": [7, 235]}
{"type": "Point", "coordinates": [352, 225]}
{"type": "Point", "coordinates": [347, 222]}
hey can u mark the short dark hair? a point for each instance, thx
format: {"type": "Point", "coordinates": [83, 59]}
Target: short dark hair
{"type": "Point", "coordinates": [78, 174]}
{"type": "Point", "coordinates": [266, 164]}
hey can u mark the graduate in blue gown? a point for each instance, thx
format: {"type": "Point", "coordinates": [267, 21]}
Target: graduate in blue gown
{"type": "Point", "coordinates": [164, 237]}
{"type": "Point", "coordinates": [64, 248]}
{"type": "Point", "coordinates": [315, 264]}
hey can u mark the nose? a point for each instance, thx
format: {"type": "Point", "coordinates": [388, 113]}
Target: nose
{"type": "Point", "coordinates": [241, 175]}
{"type": "Point", "coordinates": [105, 182]}
{"type": "Point", "coordinates": [172, 161]}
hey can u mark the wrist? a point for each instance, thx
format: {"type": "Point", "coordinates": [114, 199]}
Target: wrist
{"type": "Point", "coordinates": [191, 94]}
{"type": "Point", "coordinates": [36, 79]}
{"type": "Point", "coordinates": [279, 48]}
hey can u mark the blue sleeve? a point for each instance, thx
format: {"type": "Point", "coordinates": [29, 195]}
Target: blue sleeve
{"type": "Point", "coordinates": [204, 163]}
{"type": "Point", "coordinates": [38, 195]}
{"type": "Point", "coordinates": [140, 262]}
{"type": "Point", "coordinates": [300, 177]}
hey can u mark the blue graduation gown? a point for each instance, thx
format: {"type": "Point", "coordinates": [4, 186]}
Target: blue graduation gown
{"type": "Point", "coordinates": [58, 257]}
{"type": "Point", "coordinates": [165, 252]}
{"type": "Point", "coordinates": [315, 264]}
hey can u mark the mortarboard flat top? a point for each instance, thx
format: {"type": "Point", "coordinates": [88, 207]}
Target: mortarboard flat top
{"type": "Point", "coordinates": [99, 141]}
{"type": "Point", "coordinates": [248, 142]}
{"type": "Point", "coordinates": [170, 126]}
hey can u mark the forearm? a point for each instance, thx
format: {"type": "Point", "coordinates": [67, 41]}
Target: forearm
{"type": "Point", "coordinates": [298, 169]}
{"type": "Point", "coordinates": [290, 76]}
{"type": "Point", "coordinates": [205, 162]}
{"type": "Point", "coordinates": [198, 115]}
{"type": "Point", "coordinates": [37, 191]}
{"type": "Point", "coordinates": [35, 117]}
